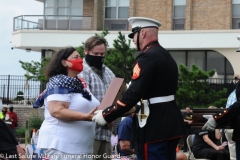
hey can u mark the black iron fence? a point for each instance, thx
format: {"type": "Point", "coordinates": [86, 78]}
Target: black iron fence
{"type": "Point", "coordinates": [19, 90]}
{"type": "Point", "coordinates": [219, 84]}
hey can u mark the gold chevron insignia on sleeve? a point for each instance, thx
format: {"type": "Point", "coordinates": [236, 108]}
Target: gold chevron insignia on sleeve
{"type": "Point", "coordinates": [121, 104]}
{"type": "Point", "coordinates": [136, 71]}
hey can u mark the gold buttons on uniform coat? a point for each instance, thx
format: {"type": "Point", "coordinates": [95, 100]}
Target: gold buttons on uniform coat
{"type": "Point", "coordinates": [103, 113]}
{"type": "Point", "coordinates": [215, 116]}
{"type": "Point", "coordinates": [224, 111]}
{"type": "Point", "coordinates": [114, 107]}
{"type": "Point", "coordinates": [108, 109]}
{"type": "Point", "coordinates": [220, 114]}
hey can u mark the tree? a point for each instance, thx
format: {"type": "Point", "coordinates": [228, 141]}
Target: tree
{"type": "Point", "coordinates": [19, 96]}
{"type": "Point", "coordinates": [36, 69]}
{"type": "Point", "coordinates": [194, 90]}
{"type": "Point", "coordinates": [120, 60]}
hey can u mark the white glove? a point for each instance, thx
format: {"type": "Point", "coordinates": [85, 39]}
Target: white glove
{"type": "Point", "coordinates": [98, 118]}
{"type": "Point", "coordinates": [211, 124]}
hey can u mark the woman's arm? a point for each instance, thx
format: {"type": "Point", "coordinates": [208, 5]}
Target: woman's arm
{"type": "Point", "coordinates": [210, 143]}
{"type": "Point", "coordinates": [59, 110]}
{"type": "Point", "coordinates": [218, 134]}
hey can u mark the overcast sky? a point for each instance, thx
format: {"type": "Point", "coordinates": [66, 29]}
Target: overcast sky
{"type": "Point", "coordinates": [9, 61]}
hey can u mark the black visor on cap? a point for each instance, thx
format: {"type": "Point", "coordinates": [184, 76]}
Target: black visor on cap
{"type": "Point", "coordinates": [134, 30]}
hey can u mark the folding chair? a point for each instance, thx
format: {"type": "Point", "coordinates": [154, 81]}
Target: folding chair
{"type": "Point", "coordinates": [190, 140]}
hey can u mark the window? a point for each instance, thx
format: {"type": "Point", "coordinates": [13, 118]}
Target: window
{"type": "Point", "coordinates": [179, 57]}
{"type": "Point", "coordinates": [196, 57]}
{"type": "Point", "coordinates": [64, 14]}
{"type": "Point", "coordinates": [116, 14]}
{"type": "Point", "coordinates": [216, 61]}
{"type": "Point", "coordinates": [236, 14]}
{"type": "Point", "coordinates": [117, 9]}
{"type": "Point", "coordinates": [205, 60]}
{"type": "Point", "coordinates": [179, 9]}
{"type": "Point", "coordinates": [64, 8]}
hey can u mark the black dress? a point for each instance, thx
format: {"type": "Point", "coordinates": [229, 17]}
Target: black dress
{"type": "Point", "coordinates": [200, 148]}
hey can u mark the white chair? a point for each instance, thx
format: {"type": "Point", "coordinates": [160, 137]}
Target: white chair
{"type": "Point", "coordinates": [190, 140]}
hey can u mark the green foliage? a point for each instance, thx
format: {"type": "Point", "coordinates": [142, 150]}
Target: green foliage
{"type": "Point", "coordinates": [194, 91]}
{"type": "Point", "coordinates": [20, 132]}
{"type": "Point", "coordinates": [103, 34]}
{"type": "Point", "coordinates": [19, 96]}
{"type": "Point", "coordinates": [36, 69]}
{"type": "Point", "coordinates": [80, 50]}
{"type": "Point", "coordinates": [121, 58]}
{"type": "Point", "coordinates": [35, 122]}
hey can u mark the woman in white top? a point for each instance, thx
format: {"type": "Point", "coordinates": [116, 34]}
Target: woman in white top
{"type": "Point", "coordinates": [67, 131]}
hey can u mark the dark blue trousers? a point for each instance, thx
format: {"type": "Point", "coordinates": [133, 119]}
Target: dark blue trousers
{"type": "Point", "coordinates": [237, 149]}
{"type": "Point", "coordinates": [162, 150]}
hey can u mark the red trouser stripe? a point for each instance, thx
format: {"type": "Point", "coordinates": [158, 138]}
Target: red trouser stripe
{"type": "Point", "coordinates": [145, 151]}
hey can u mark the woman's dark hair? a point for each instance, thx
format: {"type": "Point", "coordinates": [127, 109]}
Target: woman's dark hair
{"type": "Point", "coordinates": [55, 66]}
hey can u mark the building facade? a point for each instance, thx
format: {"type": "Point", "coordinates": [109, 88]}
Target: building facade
{"type": "Point", "coordinates": [201, 32]}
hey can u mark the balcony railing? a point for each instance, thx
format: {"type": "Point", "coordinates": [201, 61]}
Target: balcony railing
{"type": "Point", "coordinates": [52, 22]}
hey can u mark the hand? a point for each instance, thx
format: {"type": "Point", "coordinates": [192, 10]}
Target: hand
{"type": "Point", "coordinates": [90, 114]}
{"type": "Point", "coordinates": [98, 118]}
{"type": "Point", "coordinates": [211, 124]}
{"type": "Point", "coordinates": [219, 148]}
{"type": "Point", "coordinates": [189, 122]}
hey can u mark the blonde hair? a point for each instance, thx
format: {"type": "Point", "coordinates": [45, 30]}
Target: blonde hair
{"type": "Point", "coordinates": [212, 107]}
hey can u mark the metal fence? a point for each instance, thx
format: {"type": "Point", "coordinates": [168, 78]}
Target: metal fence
{"type": "Point", "coordinates": [19, 90]}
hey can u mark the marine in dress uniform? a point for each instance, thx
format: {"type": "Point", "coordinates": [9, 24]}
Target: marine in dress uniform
{"type": "Point", "coordinates": [154, 78]}
{"type": "Point", "coordinates": [230, 114]}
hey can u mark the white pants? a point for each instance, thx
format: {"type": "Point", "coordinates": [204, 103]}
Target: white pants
{"type": "Point", "coordinates": [54, 154]}
{"type": "Point", "coordinates": [231, 143]}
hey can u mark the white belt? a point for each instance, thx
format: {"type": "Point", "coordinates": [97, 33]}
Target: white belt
{"type": "Point", "coordinates": [161, 99]}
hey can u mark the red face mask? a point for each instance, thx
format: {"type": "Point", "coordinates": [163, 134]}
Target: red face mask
{"type": "Point", "coordinates": [76, 64]}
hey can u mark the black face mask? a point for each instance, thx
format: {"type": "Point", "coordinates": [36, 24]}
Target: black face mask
{"type": "Point", "coordinates": [4, 112]}
{"type": "Point", "coordinates": [94, 61]}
